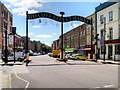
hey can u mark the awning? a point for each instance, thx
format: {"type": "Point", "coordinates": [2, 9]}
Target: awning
{"type": "Point", "coordinates": [69, 50]}
{"type": "Point", "coordinates": [87, 48]}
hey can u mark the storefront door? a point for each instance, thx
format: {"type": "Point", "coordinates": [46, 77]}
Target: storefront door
{"type": "Point", "coordinates": [109, 51]}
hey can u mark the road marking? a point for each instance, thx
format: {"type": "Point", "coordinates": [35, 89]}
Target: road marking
{"type": "Point", "coordinates": [23, 80]}
{"type": "Point", "coordinates": [10, 81]}
{"type": "Point", "coordinates": [96, 87]}
{"type": "Point", "coordinates": [106, 86]}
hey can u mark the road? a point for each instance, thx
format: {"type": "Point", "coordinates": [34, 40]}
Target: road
{"type": "Point", "coordinates": [45, 72]}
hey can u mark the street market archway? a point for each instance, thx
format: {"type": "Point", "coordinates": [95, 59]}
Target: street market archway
{"type": "Point", "coordinates": [56, 18]}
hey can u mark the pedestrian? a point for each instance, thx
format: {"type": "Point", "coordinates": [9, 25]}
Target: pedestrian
{"type": "Point", "coordinates": [27, 58]}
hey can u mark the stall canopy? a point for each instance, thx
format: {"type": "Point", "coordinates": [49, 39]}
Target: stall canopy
{"type": "Point", "coordinates": [69, 49]}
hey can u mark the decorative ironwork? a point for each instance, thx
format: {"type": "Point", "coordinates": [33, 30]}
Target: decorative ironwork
{"type": "Point", "coordinates": [58, 18]}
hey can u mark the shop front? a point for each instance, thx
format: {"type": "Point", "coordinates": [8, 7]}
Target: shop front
{"type": "Point", "coordinates": [87, 49]}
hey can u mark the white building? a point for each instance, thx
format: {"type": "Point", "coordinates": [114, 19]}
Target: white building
{"type": "Point", "coordinates": [111, 12]}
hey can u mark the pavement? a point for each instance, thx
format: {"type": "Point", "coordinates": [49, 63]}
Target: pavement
{"type": "Point", "coordinates": [106, 61]}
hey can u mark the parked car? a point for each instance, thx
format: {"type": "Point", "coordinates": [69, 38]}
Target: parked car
{"type": "Point", "coordinates": [68, 56]}
{"type": "Point", "coordinates": [30, 54]}
{"type": "Point", "coordinates": [50, 54]}
{"type": "Point", "coordinates": [39, 53]}
{"type": "Point", "coordinates": [19, 56]}
{"type": "Point", "coordinates": [80, 57]}
{"type": "Point", "coordinates": [35, 54]}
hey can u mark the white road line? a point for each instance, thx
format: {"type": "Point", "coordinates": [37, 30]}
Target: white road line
{"type": "Point", "coordinates": [96, 87]}
{"type": "Point", "coordinates": [10, 81]}
{"type": "Point", "coordinates": [106, 86]}
{"type": "Point", "coordinates": [23, 80]}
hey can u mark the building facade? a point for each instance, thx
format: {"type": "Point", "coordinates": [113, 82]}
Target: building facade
{"type": "Point", "coordinates": [90, 35]}
{"type": "Point", "coordinates": [108, 28]}
{"type": "Point", "coordinates": [6, 20]}
{"type": "Point", "coordinates": [56, 45]}
{"type": "Point", "coordinates": [75, 39]}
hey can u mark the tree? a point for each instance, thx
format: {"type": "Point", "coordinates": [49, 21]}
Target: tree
{"type": "Point", "coordinates": [45, 48]}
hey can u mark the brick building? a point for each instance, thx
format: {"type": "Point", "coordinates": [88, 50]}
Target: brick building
{"type": "Point", "coordinates": [6, 20]}
{"type": "Point", "coordinates": [89, 36]}
{"type": "Point", "coordinates": [75, 39]}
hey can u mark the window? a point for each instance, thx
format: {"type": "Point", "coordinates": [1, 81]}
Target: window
{"type": "Point", "coordinates": [110, 33]}
{"type": "Point", "coordinates": [81, 33]}
{"type": "Point", "coordinates": [119, 32]}
{"type": "Point", "coordinates": [84, 33]}
{"type": "Point", "coordinates": [88, 28]}
{"type": "Point", "coordinates": [101, 19]}
{"type": "Point", "coordinates": [88, 38]}
{"type": "Point", "coordinates": [119, 13]}
{"type": "Point", "coordinates": [117, 49]}
{"type": "Point", "coordinates": [111, 16]}
{"type": "Point", "coordinates": [93, 26]}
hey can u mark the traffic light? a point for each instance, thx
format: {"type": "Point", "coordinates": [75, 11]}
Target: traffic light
{"type": "Point", "coordinates": [14, 30]}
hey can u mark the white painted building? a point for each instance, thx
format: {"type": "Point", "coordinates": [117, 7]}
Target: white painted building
{"type": "Point", "coordinates": [111, 12]}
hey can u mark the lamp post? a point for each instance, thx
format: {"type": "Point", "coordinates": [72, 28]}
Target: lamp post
{"type": "Point", "coordinates": [26, 31]}
{"type": "Point", "coordinates": [104, 38]}
{"type": "Point", "coordinates": [91, 54]}
{"type": "Point", "coordinates": [6, 49]}
{"type": "Point", "coordinates": [14, 33]}
{"type": "Point", "coordinates": [62, 13]}
{"type": "Point", "coordinates": [2, 34]}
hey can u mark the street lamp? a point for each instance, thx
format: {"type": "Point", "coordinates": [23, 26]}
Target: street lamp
{"type": "Point", "coordinates": [6, 48]}
{"type": "Point", "coordinates": [91, 54]}
{"type": "Point", "coordinates": [62, 13]}
{"type": "Point", "coordinates": [14, 33]}
{"type": "Point", "coordinates": [104, 37]}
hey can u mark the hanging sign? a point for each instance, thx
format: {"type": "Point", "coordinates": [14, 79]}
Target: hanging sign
{"type": "Point", "coordinates": [58, 18]}
{"type": "Point", "coordinates": [11, 40]}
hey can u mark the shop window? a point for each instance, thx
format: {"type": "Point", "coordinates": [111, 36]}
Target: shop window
{"type": "Point", "coordinates": [117, 49]}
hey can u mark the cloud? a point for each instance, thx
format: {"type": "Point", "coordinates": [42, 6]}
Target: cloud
{"type": "Point", "coordinates": [75, 25]}
{"type": "Point", "coordinates": [43, 36]}
{"type": "Point", "coordinates": [28, 4]}
{"type": "Point", "coordinates": [20, 11]}
{"type": "Point", "coordinates": [7, 5]}
{"type": "Point", "coordinates": [10, 1]}
{"type": "Point", "coordinates": [54, 34]}
{"type": "Point", "coordinates": [36, 26]}
{"type": "Point", "coordinates": [21, 6]}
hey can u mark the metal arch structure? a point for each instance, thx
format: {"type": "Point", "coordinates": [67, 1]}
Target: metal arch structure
{"type": "Point", "coordinates": [59, 19]}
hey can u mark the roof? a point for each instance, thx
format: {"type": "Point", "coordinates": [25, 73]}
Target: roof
{"type": "Point", "coordinates": [103, 6]}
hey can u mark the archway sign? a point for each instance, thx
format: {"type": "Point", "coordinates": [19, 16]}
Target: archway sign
{"type": "Point", "coordinates": [56, 18]}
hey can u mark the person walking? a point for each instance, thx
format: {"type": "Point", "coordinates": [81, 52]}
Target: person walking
{"type": "Point", "coordinates": [27, 58]}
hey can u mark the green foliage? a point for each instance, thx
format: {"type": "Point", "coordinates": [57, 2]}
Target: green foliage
{"type": "Point", "coordinates": [45, 48]}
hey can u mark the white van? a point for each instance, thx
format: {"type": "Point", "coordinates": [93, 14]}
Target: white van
{"type": "Point", "coordinates": [19, 56]}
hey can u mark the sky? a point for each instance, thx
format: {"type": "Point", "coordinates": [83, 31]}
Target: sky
{"type": "Point", "coordinates": [44, 29]}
